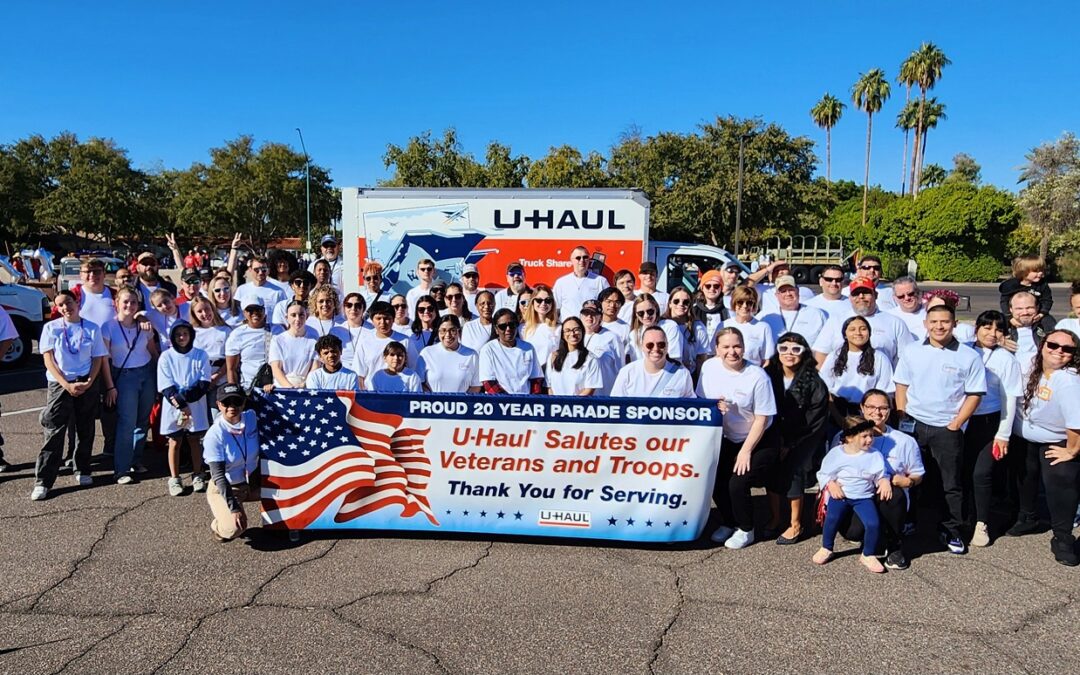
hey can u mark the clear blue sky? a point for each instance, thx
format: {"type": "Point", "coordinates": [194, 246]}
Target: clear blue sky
{"type": "Point", "coordinates": [170, 80]}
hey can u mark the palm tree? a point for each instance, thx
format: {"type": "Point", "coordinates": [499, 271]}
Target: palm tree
{"type": "Point", "coordinates": [906, 120]}
{"type": "Point", "coordinates": [869, 94]}
{"type": "Point", "coordinates": [933, 175]}
{"type": "Point", "coordinates": [826, 114]}
{"type": "Point", "coordinates": [934, 113]}
{"type": "Point", "coordinates": [929, 62]}
{"type": "Point", "coordinates": [908, 78]}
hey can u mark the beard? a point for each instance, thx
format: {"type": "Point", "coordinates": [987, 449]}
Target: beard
{"type": "Point", "coordinates": [149, 276]}
{"type": "Point", "coordinates": [865, 311]}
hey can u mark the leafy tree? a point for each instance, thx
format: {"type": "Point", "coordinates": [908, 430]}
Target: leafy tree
{"type": "Point", "coordinates": [933, 113]}
{"type": "Point", "coordinates": [29, 170]}
{"type": "Point", "coordinates": [929, 62]}
{"type": "Point", "coordinates": [826, 114]}
{"type": "Point", "coordinates": [504, 170]}
{"type": "Point", "coordinates": [1051, 198]}
{"type": "Point", "coordinates": [933, 175]}
{"type": "Point", "coordinates": [427, 163]}
{"type": "Point", "coordinates": [965, 170]}
{"type": "Point", "coordinates": [869, 94]}
{"type": "Point", "coordinates": [566, 167]}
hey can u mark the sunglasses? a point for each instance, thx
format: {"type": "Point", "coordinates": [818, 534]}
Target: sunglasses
{"type": "Point", "coordinates": [581, 257]}
{"type": "Point", "coordinates": [426, 268]}
{"type": "Point", "coordinates": [233, 403]}
{"type": "Point", "coordinates": [373, 278]}
{"type": "Point", "coordinates": [426, 309]}
{"type": "Point", "coordinates": [744, 303]}
{"type": "Point", "coordinates": [507, 325]}
{"type": "Point", "coordinates": [680, 303]}
{"type": "Point", "coordinates": [398, 307]}
{"type": "Point", "coordinates": [471, 274]}
{"type": "Point", "coordinates": [1056, 346]}
{"type": "Point", "coordinates": [789, 348]}
{"type": "Point", "coordinates": [542, 301]}
{"type": "Point", "coordinates": [833, 280]}
{"type": "Point", "coordinates": [451, 297]}
{"type": "Point", "coordinates": [354, 305]}
{"type": "Point", "coordinates": [148, 262]}
{"type": "Point", "coordinates": [870, 267]}
{"type": "Point", "coordinates": [712, 287]}
{"type": "Point", "coordinates": [301, 282]}
{"type": "Point", "coordinates": [905, 296]}
{"type": "Point", "coordinates": [522, 303]}
{"type": "Point", "coordinates": [655, 345]}
{"type": "Point", "coordinates": [260, 270]}
{"type": "Point", "coordinates": [645, 312]}
{"type": "Point", "coordinates": [255, 310]}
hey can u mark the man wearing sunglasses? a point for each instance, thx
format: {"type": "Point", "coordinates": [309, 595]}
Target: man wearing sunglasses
{"type": "Point", "coordinates": [791, 316]}
{"type": "Point", "coordinates": [515, 284]}
{"type": "Point", "coordinates": [870, 268]}
{"type": "Point", "coordinates": [149, 279]}
{"type": "Point", "coordinates": [572, 290]}
{"type": "Point", "coordinates": [259, 290]}
{"type": "Point", "coordinates": [425, 273]}
{"type": "Point", "coordinates": [190, 286]}
{"type": "Point", "coordinates": [331, 254]}
{"type": "Point", "coordinates": [831, 299]}
{"type": "Point", "coordinates": [470, 283]}
{"type": "Point", "coordinates": [909, 306]}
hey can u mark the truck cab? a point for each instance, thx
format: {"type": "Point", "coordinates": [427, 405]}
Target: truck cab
{"type": "Point", "coordinates": [682, 264]}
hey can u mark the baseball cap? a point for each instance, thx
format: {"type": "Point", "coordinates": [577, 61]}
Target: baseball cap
{"type": "Point", "coordinates": [863, 284]}
{"type": "Point", "coordinates": [469, 269]}
{"type": "Point", "coordinates": [647, 267]}
{"type": "Point", "coordinates": [328, 239]}
{"type": "Point", "coordinates": [254, 306]}
{"type": "Point", "coordinates": [590, 307]}
{"type": "Point", "coordinates": [785, 280]}
{"type": "Point", "coordinates": [146, 254]}
{"type": "Point", "coordinates": [515, 267]}
{"type": "Point", "coordinates": [231, 391]}
{"type": "Point", "coordinates": [438, 283]}
{"type": "Point", "coordinates": [711, 276]}
{"type": "Point", "coordinates": [732, 264]}
{"type": "Point", "coordinates": [191, 276]}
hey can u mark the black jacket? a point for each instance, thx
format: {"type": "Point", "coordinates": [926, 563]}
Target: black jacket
{"type": "Point", "coordinates": [802, 409]}
{"type": "Point", "coordinates": [1044, 297]}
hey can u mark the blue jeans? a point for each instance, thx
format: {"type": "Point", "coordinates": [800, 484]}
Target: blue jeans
{"type": "Point", "coordinates": [867, 512]}
{"type": "Point", "coordinates": [135, 391]}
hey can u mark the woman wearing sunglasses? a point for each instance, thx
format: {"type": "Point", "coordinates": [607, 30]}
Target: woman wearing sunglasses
{"type": "Point", "coordinates": [373, 282]}
{"type": "Point", "coordinates": [509, 365]}
{"type": "Point", "coordinates": [354, 325]}
{"type": "Point", "coordinates": [400, 304]}
{"type": "Point", "coordinates": [802, 402]}
{"type": "Point", "coordinates": [572, 371]}
{"type": "Point", "coordinates": [228, 308]}
{"type": "Point", "coordinates": [454, 297]}
{"type": "Point", "coordinates": [646, 314]}
{"type": "Point", "coordinates": [422, 330]}
{"type": "Point", "coordinates": [854, 369]}
{"type": "Point", "coordinates": [748, 451]}
{"type": "Point", "coordinates": [758, 335]}
{"type": "Point", "coordinates": [539, 326]}
{"type": "Point", "coordinates": [1049, 440]}
{"type": "Point", "coordinates": [524, 299]}
{"type": "Point", "coordinates": [653, 375]}
{"type": "Point", "coordinates": [692, 333]}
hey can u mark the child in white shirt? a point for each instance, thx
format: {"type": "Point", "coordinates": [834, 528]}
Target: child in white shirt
{"type": "Point", "coordinates": [395, 377]}
{"type": "Point", "coordinates": [331, 375]}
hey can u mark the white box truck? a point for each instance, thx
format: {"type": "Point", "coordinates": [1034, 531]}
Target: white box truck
{"type": "Point", "coordinates": [491, 228]}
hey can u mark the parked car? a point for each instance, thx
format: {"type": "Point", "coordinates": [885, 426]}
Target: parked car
{"type": "Point", "coordinates": [29, 309]}
{"type": "Point", "coordinates": [68, 274]}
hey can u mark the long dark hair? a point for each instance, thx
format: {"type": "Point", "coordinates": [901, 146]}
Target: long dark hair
{"type": "Point", "coordinates": [466, 313]}
{"type": "Point", "coordinates": [805, 371]}
{"type": "Point", "coordinates": [866, 361]}
{"type": "Point", "coordinates": [1037, 367]}
{"type": "Point", "coordinates": [564, 349]}
{"type": "Point", "coordinates": [417, 325]}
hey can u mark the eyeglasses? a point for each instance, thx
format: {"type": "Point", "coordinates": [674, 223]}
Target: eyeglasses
{"type": "Point", "coordinates": [260, 270]}
{"type": "Point", "coordinates": [744, 303]}
{"type": "Point", "coordinates": [506, 325]}
{"type": "Point", "coordinates": [373, 277]}
{"type": "Point", "coordinates": [655, 346]}
{"type": "Point", "coordinates": [789, 348]}
{"type": "Point", "coordinates": [870, 267]}
{"type": "Point", "coordinates": [1056, 346]}
{"type": "Point", "coordinates": [712, 287]}
{"type": "Point", "coordinates": [354, 305]}
{"type": "Point", "coordinates": [448, 331]}
{"type": "Point", "coordinates": [572, 331]}
{"type": "Point", "coordinates": [877, 408]}
{"type": "Point", "coordinates": [833, 280]}
{"type": "Point", "coordinates": [425, 309]}
{"type": "Point", "coordinates": [645, 312]}
{"type": "Point", "coordinates": [542, 301]}
{"type": "Point", "coordinates": [905, 296]}
{"type": "Point", "coordinates": [680, 303]}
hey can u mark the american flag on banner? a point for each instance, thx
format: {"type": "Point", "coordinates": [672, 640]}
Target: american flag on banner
{"type": "Point", "coordinates": [320, 446]}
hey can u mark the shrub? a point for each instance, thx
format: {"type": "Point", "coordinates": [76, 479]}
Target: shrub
{"type": "Point", "coordinates": [958, 267]}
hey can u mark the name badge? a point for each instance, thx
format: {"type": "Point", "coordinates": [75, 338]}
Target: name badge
{"type": "Point", "coordinates": [1044, 393]}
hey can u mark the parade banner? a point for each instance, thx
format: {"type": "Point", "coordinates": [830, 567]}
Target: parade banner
{"type": "Point", "coordinates": [601, 468]}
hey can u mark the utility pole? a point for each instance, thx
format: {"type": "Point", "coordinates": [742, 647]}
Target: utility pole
{"type": "Point", "coordinates": [307, 189]}
{"type": "Point", "coordinates": [738, 199]}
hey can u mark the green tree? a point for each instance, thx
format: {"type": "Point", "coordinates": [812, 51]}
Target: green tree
{"type": "Point", "coordinates": [908, 117]}
{"type": "Point", "coordinates": [965, 170]}
{"type": "Point", "coordinates": [932, 114]}
{"type": "Point", "coordinates": [30, 169]}
{"type": "Point", "coordinates": [503, 170]}
{"type": "Point", "coordinates": [929, 62]}
{"type": "Point", "coordinates": [424, 162]}
{"type": "Point", "coordinates": [826, 113]}
{"type": "Point", "coordinates": [933, 175]}
{"type": "Point", "coordinates": [869, 94]}
{"type": "Point", "coordinates": [566, 167]}
{"type": "Point", "coordinates": [1051, 196]}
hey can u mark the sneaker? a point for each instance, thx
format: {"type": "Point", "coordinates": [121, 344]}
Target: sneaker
{"type": "Point", "coordinates": [1064, 552]}
{"type": "Point", "coordinates": [176, 487]}
{"type": "Point", "coordinates": [982, 535]}
{"type": "Point", "coordinates": [126, 479]}
{"type": "Point", "coordinates": [955, 545]}
{"type": "Point", "coordinates": [38, 493]}
{"type": "Point", "coordinates": [139, 468]}
{"type": "Point", "coordinates": [4, 466]}
{"type": "Point", "coordinates": [871, 563]}
{"type": "Point", "coordinates": [84, 479]}
{"type": "Point", "coordinates": [896, 560]}
{"type": "Point", "coordinates": [741, 539]}
{"type": "Point", "coordinates": [198, 483]}
{"type": "Point", "coordinates": [722, 534]}
{"type": "Point", "coordinates": [1023, 526]}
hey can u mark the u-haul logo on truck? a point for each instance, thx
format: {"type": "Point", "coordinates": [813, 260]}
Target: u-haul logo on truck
{"type": "Point", "coordinates": [551, 219]}
{"type": "Point", "coordinates": [554, 518]}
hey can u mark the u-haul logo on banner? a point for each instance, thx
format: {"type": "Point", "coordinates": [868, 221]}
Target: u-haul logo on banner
{"type": "Point", "coordinates": [565, 518]}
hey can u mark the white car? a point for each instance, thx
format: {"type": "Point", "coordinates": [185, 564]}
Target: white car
{"type": "Point", "coordinates": [29, 309]}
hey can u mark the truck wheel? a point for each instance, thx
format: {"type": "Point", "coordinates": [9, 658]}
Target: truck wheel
{"type": "Point", "coordinates": [815, 273]}
{"type": "Point", "coordinates": [21, 347]}
{"type": "Point", "coordinates": [801, 274]}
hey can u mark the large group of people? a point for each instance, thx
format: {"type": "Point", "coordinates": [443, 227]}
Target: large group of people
{"type": "Point", "coordinates": [876, 394]}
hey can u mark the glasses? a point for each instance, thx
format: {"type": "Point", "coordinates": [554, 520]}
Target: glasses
{"type": "Point", "coordinates": [861, 292]}
{"type": "Point", "coordinates": [148, 262]}
{"type": "Point", "coordinates": [398, 307]}
{"type": "Point", "coordinates": [581, 257]}
{"type": "Point", "coordinates": [645, 312]}
{"type": "Point", "coordinates": [301, 282]}
{"type": "Point", "coordinates": [425, 309]}
{"type": "Point", "coordinates": [448, 331]}
{"type": "Point", "coordinates": [542, 301]}
{"type": "Point", "coordinates": [506, 325]}
{"type": "Point", "coordinates": [354, 305]}
{"type": "Point", "coordinates": [260, 270]}
{"type": "Point", "coordinates": [788, 348]}
{"type": "Point", "coordinates": [373, 277]}
{"type": "Point", "coordinates": [522, 303]}
{"type": "Point", "coordinates": [905, 296]}
{"type": "Point", "coordinates": [657, 346]}
{"type": "Point", "coordinates": [744, 303]}
{"type": "Point", "coordinates": [453, 297]}
{"type": "Point", "coordinates": [1057, 346]}
{"type": "Point", "coordinates": [712, 287]}
{"type": "Point", "coordinates": [870, 267]}
{"type": "Point", "coordinates": [330, 244]}
{"type": "Point", "coordinates": [571, 331]}
{"type": "Point", "coordinates": [470, 274]}
{"type": "Point", "coordinates": [255, 310]}
{"type": "Point", "coordinates": [877, 408]}
{"type": "Point", "coordinates": [425, 268]}
{"type": "Point", "coordinates": [833, 280]}
{"type": "Point", "coordinates": [680, 303]}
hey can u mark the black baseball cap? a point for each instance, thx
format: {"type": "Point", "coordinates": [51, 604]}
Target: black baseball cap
{"type": "Point", "coordinates": [648, 267]}
{"type": "Point", "coordinates": [231, 392]}
{"type": "Point", "coordinates": [590, 307]}
{"type": "Point", "coordinates": [191, 276]}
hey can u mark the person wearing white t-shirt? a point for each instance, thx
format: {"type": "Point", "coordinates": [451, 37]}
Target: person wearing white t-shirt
{"type": "Point", "coordinates": [539, 325]}
{"type": "Point", "coordinates": [624, 282]}
{"type": "Point", "coordinates": [394, 377]}
{"type": "Point", "coordinates": [869, 270]}
{"type": "Point", "coordinates": [581, 284]}
{"type": "Point", "coordinates": [646, 314]}
{"type": "Point", "coordinates": [1027, 330]}
{"type": "Point", "coordinates": [301, 282]}
{"type": "Point", "coordinates": [939, 383]}
{"type": "Point", "coordinates": [986, 439]}
{"type": "Point", "coordinates": [709, 307]}
{"type": "Point", "coordinates": [183, 378]}
{"type": "Point", "coordinates": [247, 348]}
{"type": "Point", "coordinates": [791, 315]}
{"type": "Point", "coordinates": [909, 306]}
{"type": "Point", "coordinates": [476, 333]}
{"type": "Point", "coordinates": [448, 365]}
{"type": "Point", "coordinates": [767, 301]}
{"type": "Point", "coordinates": [1071, 322]}
{"type": "Point", "coordinates": [606, 347]}
{"type": "Point", "coordinates": [748, 453]}
{"type": "Point", "coordinates": [470, 286]}
{"type": "Point", "coordinates": [352, 326]}
{"type": "Point", "coordinates": [831, 299]}
{"type": "Point", "coordinates": [889, 336]}
{"type": "Point", "coordinates": [369, 350]}
{"type": "Point", "coordinates": [330, 374]}
{"type": "Point", "coordinates": [1047, 443]}
{"type": "Point", "coordinates": [854, 369]}
{"type": "Point", "coordinates": [331, 254]}
{"type": "Point", "coordinates": [515, 285]}
{"type": "Point", "coordinates": [610, 303]}
{"type": "Point", "coordinates": [758, 339]}
{"type": "Point", "coordinates": [163, 314]}
{"type": "Point", "coordinates": [211, 334]}
{"type": "Point", "coordinates": [654, 375]}
{"type": "Point", "coordinates": [324, 306]}
{"type": "Point", "coordinates": [571, 370]}
{"type": "Point", "coordinates": [425, 275]}
{"type": "Point", "coordinates": [259, 289]}
{"type": "Point", "coordinates": [74, 353]}
{"type": "Point", "coordinates": [292, 352]}
{"type": "Point", "coordinates": [372, 290]}
{"type": "Point", "coordinates": [231, 451]}
{"type": "Point", "coordinates": [648, 275]}
{"type": "Point", "coordinates": [8, 335]}
{"type": "Point", "coordinates": [509, 365]}
{"type": "Point", "coordinates": [228, 308]}
{"type": "Point", "coordinates": [95, 298]}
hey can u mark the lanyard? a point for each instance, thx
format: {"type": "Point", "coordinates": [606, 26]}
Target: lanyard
{"type": "Point", "coordinates": [323, 331]}
{"type": "Point", "coordinates": [72, 346]}
{"type": "Point", "coordinates": [790, 328]}
{"type": "Point", "coordinates": [242, 448]}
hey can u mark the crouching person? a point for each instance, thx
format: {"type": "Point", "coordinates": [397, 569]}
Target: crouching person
{"type": "Point", "coordinates": [231, 450]}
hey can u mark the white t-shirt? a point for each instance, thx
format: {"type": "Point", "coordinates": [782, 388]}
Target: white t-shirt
{"type": "Point", "coordinates": [212, 341]}
{"type": "Point", "coordinates": [1069, 324]}
{"type": "Point", "coordinates": [769, 303]}
{"type": "Point", "coordinates": [1053, 409]}
{"type": "Point", "coordinates": [350, 338]}
{"type": "Point", "coordinates": [445, 370]}
{"type": "Point", "coordinates": [337, 267]}
{"type": "Point", "coordinates": [571, 292]}
{"type": "Point", "coordinates": [851, 384]}
{"type": "Point", "coordinates": [857, 474]}
{"type": "Point", "coordinates": [913, 321]}
{"type": "Point", "coordinates": [608, 350]}
{"type": "Point", "coordinates": [237, 445]}
{"type": "Point", "coordinates": [475, 335]}
{"type": "Point", "coordinates": [506, 299]}
{"type": "Point", "coordinates": [74, 346]}
{"type": "Point", "coordinates": [369, 351]}
{"type": "Point", "coordinates": [841, 307]}
{"type": "Point", "coordinates": [413, 296]}
{"type": "Point", "coordinates": [97, 307]}
{"type": "Point", "coordinates": [128, 347]}
{"type": "Point", "coordinates": [747, 391]}
{"type": "Point", "coordinates": [675, 342]}
{"type": "Point", "coordinates": [544, 339]}
{"type": "Point", "coordinates": [621, 329]}
{"type": "Point", "coordinates": [7, 327]}
{"type": "Point", "coordinates": [806, 321]}
{"type": "Point", "coordinates": [1002, 374]}
{"type": "Point", "coordinates": [295, 354]}
{"type": "Point", "coordinates": [416, 344]}
{"type": "Point", "coordinates": [674, 381]}
{"type": "Point", "coordinates": [1026, 349]}
{"type": "Point", "coordinates": [511, 367]}
{"type": "Point", "coordinates": [164, 324]}
{"type": "Point", "coordinates": [267, 295]}
{"type": "Point", "coordinates": [230, 319]}
{"type": "Point", "coordinates": [759, 343]}
{"type": "Point", "coordinates": [277, 317]}
{"type": "Point", "coordinates": [405, 381]}
{"type": "Point", "coordinates": [885, 299]}
{"type": "Point", "coordinates": [938, 379]}
{"type": "Point", "coordinates": [251, 345]}
{"type": "Point", "coordinates": [325, 326]}
{"type": "Point", "coordinates": [570, 380]}
{"type": "Point", "coordinates": [183, 371]}
{"type": "Point", "coordinates": [341, 380]}
{"type": "Point", "coordinates": [887, 334]}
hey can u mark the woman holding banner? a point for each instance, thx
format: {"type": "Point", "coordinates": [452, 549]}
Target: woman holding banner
{"type": "Point", "coordinates": [572, 371]}
{"type": "Point", "coordinates": [448, 365]}
{"type": "Point", "coordinates": [654, 375]}
{"type": "Point", "coordinates": [509, 365]}
{"type": "Point", "coordinates": [748, 452]}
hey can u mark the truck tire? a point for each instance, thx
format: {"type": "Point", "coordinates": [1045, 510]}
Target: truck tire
{"type": "Point", "coordinates": [801, 274]}
{"type": "Point", "coordinates": [815, 273]}
{"type": "Point", "coordinates": [21, 347]}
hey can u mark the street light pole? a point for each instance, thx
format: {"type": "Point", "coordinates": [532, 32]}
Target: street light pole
{"type": "Point", "coordinates": [307, 188]}
{"type": "Point", "coordinates": [738, 199]}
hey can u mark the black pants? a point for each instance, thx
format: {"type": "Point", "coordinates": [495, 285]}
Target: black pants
{"type": "Point", "coordinates": [943, 456]}
{"type": "Point", "coordinates": [1025, 460]}
{"type": "Point", "coordinates": [108, 423]}
{"type": "Point", "coordinates": [795, 472]}
{"type": "Point", "coordinates": [979, 465]}
{"type": "Point", "coordinates": [60, 408]}
{"type": "Point", "coordinates": [893, 513]}
{"type": "Point", "coordinates": [731, 492]}
{"type": "Point", "coordinates": [1062, 483]}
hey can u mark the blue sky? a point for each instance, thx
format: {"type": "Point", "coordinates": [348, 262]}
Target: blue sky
{"type": "Point", "coordinates": [170, 80]}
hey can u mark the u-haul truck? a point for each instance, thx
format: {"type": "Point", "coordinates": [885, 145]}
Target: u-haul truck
{"type": "Point", "coordinates": [491, 228]}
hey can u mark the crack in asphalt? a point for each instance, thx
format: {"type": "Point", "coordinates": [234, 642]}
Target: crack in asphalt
{"type": "Point", "coordinates": [46, 514]}
{"type": "Point", "coordinates": [90, 648]}
{"type": "Point", "coordinates": [658, 643]}
{"type": "Point", "coordinates": [289, 566]}
{"type": "Point", "coordinates": [393, 637]}
{"type": "Point", "coordinates": [12, 650]}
